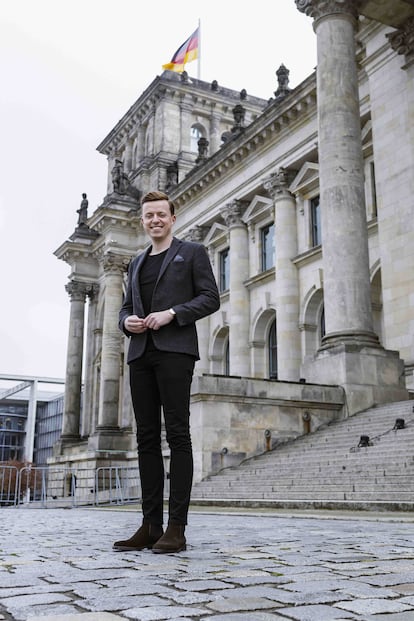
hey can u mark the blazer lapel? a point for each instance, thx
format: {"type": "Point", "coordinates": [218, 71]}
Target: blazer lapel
{"type": "Point", "coordinates": [172, 251]}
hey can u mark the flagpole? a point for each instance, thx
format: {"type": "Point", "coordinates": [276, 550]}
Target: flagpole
{"type": "Point", "coordinates": [199, 51]}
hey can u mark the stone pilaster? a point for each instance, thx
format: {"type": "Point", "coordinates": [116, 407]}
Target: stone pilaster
{"type": "Point", "coordinates": [114, 267]}
{"type": "Point", "coordinates": [215, 135]}
{"type": "Point", "coordinates": [185, 116]}
{"type": "Point", "coordinates": [140, 144]}
{"type": "Point", "coordinates": [128, 155]}
{"type": "Point", "coordinates": [287, 281]}
{"type": "Point", "coordinates": [77, 291]}
{"type": "Point", "coordinates": [239, 294]}
{"type": "Point", "coordinates": [350, 354]}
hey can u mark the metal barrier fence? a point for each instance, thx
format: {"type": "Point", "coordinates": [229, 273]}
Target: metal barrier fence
{"type": "Point", "coordinates": [9, 481]}
{"type": "Point", "coordinates": [44, 486]}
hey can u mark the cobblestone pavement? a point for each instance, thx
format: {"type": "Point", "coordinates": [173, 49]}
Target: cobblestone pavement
{"type": "Point", "coordinates": [58, 564]}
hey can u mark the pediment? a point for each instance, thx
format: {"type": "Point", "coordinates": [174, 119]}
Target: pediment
{"type": "Point", "coordinates": [306, 179]}
{"type": "Point", "coordinates": [216, 234]}
{"type": "Point", "coordinates": [258, 207]}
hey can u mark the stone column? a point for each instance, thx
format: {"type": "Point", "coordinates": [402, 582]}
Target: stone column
{"type": "Point", "coordinates": [350, 354]}
{"type": "Point", "coordinates": [114, 267]}
{"type": "Point", "coordinates": [73, 382]}
{"type": "Point", "coordinates": [287, 281]}
{"type": "Point", "coordinates": [239, 295]}
{"type": "Point", "coordinates": [87, 404]}
{"type": "Point", "coordinates": [347, 293]}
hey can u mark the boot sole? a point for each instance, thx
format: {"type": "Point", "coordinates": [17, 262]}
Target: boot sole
{"type": "Point", "coordinates": [160, 551]}
{"type": "Point", "coordinates": [130, 548]}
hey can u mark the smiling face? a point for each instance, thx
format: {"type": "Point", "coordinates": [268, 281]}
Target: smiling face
{"type": "Point", "coordinates": [158, 221]}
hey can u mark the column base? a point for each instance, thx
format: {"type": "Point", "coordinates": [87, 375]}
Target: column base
{"type": "Point", "coordinates": [350, 338]}
{"type": "Point", "coordinates": [369, 375]}
{"type": "Point", "coordinates": [108, 438]}
{"type": "Point", "coordinates": [67, 444]}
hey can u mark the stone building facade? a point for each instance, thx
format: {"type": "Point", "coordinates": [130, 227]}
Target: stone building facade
{"type": "Point", "coordinates": [305, 204]}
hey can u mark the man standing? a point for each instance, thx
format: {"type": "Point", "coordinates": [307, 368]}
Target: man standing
{"type": "Point", "coordinates": [170, 286]}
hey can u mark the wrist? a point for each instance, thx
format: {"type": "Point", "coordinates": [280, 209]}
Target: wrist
{"type": "Point", "coordinates": [172, 312]}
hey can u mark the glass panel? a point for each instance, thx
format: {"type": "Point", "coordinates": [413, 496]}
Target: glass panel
{"type": "Point", "coordinates": [272, 344]}
{"type": "Point", "coordinates": [316, 221]}
{"type": "Point", "coordinates": [268, 247]}
{"type": "Point", "coordinates": [224, 270]}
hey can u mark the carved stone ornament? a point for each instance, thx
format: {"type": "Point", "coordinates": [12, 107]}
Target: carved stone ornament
{"type": "Point", "coordinates": [232, 213]}
{"type": "Point", "coordinates": [79, 290]}
{"type": "Point", "coordinates": [277, 183]}
{"type": "Point", "coordinates": [114, 263]}
{"type": "Point", "coordinates": [196, 233]}
{"type": "Point", "coordinates": [402, 40]}
{"type": "Point", "coordinates": [323, 8]}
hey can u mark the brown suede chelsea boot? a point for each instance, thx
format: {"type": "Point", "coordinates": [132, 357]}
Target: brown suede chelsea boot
{"type": "Point", "coordinates": [173, 540]}
{"type": "Point", "coordinates": [145, 537]}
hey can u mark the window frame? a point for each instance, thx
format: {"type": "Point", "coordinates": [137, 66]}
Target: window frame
{"type": "Point", "coordinates": [224, 269]}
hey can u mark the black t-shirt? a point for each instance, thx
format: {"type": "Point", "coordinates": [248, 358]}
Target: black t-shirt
{"type": "Point", "coordinates": [147, 278]}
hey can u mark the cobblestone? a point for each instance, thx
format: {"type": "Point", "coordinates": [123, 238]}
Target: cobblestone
{"type": "Point", "coordinates": [58, 564]}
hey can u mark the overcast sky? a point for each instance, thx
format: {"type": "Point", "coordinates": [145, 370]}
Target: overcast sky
{"type": "Point", "coordinates": [70, 69]}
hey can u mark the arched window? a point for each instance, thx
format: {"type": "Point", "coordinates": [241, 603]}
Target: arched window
{"type": "Point", "coordinates": [272, 348]}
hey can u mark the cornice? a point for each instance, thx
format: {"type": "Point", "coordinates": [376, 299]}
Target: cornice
{"type": "Point", "coordinates": [70, 251]}
{"type": "Point", "coordinates": [275, 121]}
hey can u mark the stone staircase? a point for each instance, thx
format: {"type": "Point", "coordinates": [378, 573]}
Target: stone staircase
{"type": "Point", "coordinates": [327, 469]}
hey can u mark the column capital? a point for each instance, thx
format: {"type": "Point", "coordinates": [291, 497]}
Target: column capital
{"type": "Point", "coordinates": [277, 184]}
{"type": "Point", "coordinates": [402, 40]}
{"type": "Point", "coordinates": [323, 8]}
{"type": "Point", "coordinates": [93, 291]}
{"type": "Point", "coordinates": [78, 290]}
{"type": "Point", "coordinates": [232, 213]}
{"type": "Point", "coordinates": [115, 263]}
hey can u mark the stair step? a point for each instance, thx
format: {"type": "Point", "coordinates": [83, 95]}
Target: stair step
{"type": "Point", "coordinates": [327, 466]}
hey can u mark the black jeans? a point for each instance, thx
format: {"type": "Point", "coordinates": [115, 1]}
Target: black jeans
{"type": "Point", "coordinates": [163, 379]}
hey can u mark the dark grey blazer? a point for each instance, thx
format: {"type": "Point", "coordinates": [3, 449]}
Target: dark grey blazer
{"type": "Point", "coordinates": [185, 283]}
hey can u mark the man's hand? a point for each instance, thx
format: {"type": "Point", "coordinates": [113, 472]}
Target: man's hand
{"type": "Point", "coordinates": [135, 324]}
{"type": "Point", "coordinates": [155, 321]}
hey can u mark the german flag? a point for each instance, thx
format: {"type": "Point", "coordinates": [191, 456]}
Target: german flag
{"type": "Point", "coordinates": [187, 52]}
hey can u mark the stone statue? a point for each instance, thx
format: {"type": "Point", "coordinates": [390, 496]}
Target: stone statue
{"type": "Point", "coordinates": [120, 182]}
{"type": "Point", "coordinates": [119, 178]}
{"type": "Point", "coordinates": [172, 176]}
{"type": "Point", "coordinates": [283, 80]}
{"type": "Point", "coordinates": [202, 150]}
{"type": "Point", "coordinates": [83, 211]}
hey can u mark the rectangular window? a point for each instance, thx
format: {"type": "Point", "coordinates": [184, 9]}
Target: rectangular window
{"type": "Point", "coordinates": [224, 279]}
{"type": "Point", "coordinates": [267, 235]}
{"type": "Point", "coordinates": [316, 221]}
